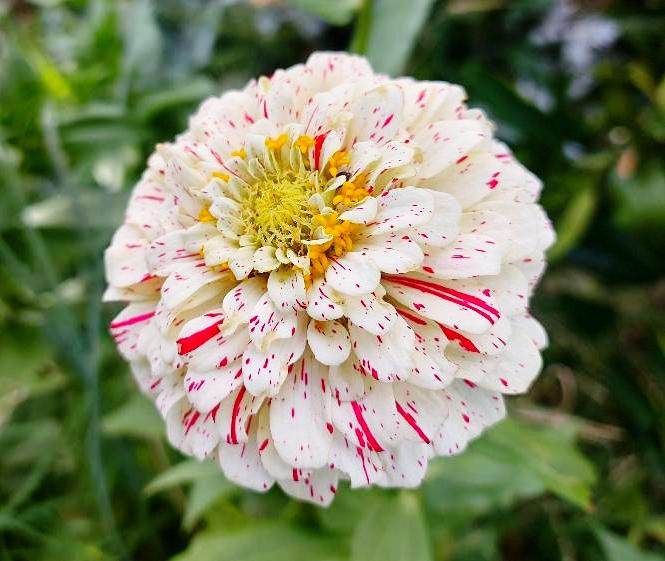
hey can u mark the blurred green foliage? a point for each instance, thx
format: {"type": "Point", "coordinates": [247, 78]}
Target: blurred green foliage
{"type": "Point", "coordinates": [578, 90]}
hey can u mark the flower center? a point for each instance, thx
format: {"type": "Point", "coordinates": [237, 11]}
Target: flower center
{"type": "Point", "coordinates": [292, 206]}
{"type": "Point", "coordinates": [276, 210]}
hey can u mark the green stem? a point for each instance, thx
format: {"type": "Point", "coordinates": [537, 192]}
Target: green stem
{"type": "Point", "coordinates": [363, 25]}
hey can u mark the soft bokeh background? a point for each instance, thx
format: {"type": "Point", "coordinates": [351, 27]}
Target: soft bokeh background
{"type": "Point", "coordinates": [576, 474]}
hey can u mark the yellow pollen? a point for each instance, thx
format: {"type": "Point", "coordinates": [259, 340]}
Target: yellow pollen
{"type": "Point", "coordinates": [326, 219]}
{"type": "Point", "coordinates": [276, 210]}
{"type": "Point", "coordinates": [337, 160]}
{"type": "Point", "coordinates": [304, 143]}
{"type": "Point", "coordinates": [341, 242]}
{"type": "Point", "coordinates": [242, 154]}
{"type": "Point", "coordinates": [277, 142]}
{"type": "Point", "coordinates": [351, 192]}
{"type": "Point", "coordinates": [205, 216]}
{"type": "Point", "coordinates": [220, 175]}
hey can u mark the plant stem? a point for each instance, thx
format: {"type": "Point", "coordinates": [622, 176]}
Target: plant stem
{"type": "Point", "coordinates": [363, 25]}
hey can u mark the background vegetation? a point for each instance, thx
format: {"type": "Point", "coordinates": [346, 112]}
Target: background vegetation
{"type": "Point", "coordinates": [576, 474]}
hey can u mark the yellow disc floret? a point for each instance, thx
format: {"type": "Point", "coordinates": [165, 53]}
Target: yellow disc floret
{"type": "Point", "coordinates": [351, 192]}
{"type": "Point", "coordinates": [304, 143]}
{"type": "Point", "coordinates": [276, 210]}
{"type": "Point", "coordinates": [276, 143]}
{"type": "Point", "coordinates": [205, 216]}
{"type": "Point", "coordinates": [283, 203]}
{"type": "Point", "coordinates": [342, 241]}
{"type": "Point", "coordinates": [337, 160]}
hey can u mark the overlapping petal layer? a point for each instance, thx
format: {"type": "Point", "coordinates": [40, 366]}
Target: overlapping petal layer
{"type": "Point", "coordinates": [327, 277]}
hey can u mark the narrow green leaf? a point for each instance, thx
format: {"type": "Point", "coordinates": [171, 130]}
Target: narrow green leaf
{"type": "Point", "coordinates": [179, 95]}
{"type": "Point", "coordinates": [143, 42]}
{"type": "Point", "coordinates": [205, 492]}
{"type": "Point", "coordinates": [660, 96]}
{"type": "Point", "coordinates": [53, 81]}
{"type": "Point", "coordinates": [337, 12]}
{"type": "Point", "coordinates": [138, 418]}
{"type": "Point", "coordinates": [394, 530]}
{"type": "Point", "coordinates": [184, 472]}
{"type": "Point", "coordinates": [394, 29]}
{"type": "Point", "coordinates": [26, 368]}
{"type": "Point", "coordinates": [574, 223]}
{"type": "Point", "coordinates": [275, 541]}
{"type": "Point", "coordinates": [617, 548]}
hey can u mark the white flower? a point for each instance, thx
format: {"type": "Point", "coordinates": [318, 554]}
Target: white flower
{"type": "Point", "coordinates": [328, 277]}
{"type": "Point", "coordinates": [584, 38]}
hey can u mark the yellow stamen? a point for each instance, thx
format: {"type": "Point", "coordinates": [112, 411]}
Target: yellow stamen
{"type": "Point", "coordinates": [326, 219]}
{"type": "Point", "coordinates": [341, 242]}
{"type": "Point", "coordinates": [220, 175]}
{"type": "Point", "coordinates": [276, 143]}
{"type": "Point", "coordinates": [276, 211]}
{"type": "Point", "coordinates": [205, 216]}
{"type": "Point", "coordinates": [351, 192]}
{"type": "Point", "coordinates": [304, 143]}
{"type": "Point", "coordinates": [337, 160]}
{"type": "Point", "coordinates": [242, 154]}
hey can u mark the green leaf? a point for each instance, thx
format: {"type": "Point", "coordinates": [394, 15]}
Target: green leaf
{"type": "Point", "coordinates": [53, 81]}
{"type": "Point", "coordinates": [137, 418]}
{"type": "Point", "coordinates": [338, 12]}
{"type": "Point", "coordinates": [349, 505]}
{"type": "Point", "coordinates": [393, 30]}
{"type": "Point", "coordinates": [277, 541]}
{"type": "Point", "coordinates": [184, 472]}
{"type": "Point", "coordinates": [26, 368]}
{"type": "Point", "coordinates": [205, 492]}
{"type": "Point", "coordinates": [641, 199]}
{"type": "Point", "coordinates": [550, 454]}
{"type": "Point", "coordinates": [393, 530]}
{"type": "Point", "coordinates": [478, 481]}
{"type": "Point", "coordinates": [619, 549]}
{"type": "Point", "coordinates": [655, 527]}
{"type": "Point", "coordinates": [574, 222]}
{"type": "Point", "coordinates": [511, 461]}
{"type": "Point", "coordinates": [142, 40]}
{"type": "Point", "coordinates": [660, 96]}
{"type": "Point", "coordinates": [178, 95]}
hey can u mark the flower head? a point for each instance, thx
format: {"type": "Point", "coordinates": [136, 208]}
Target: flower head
{"type": "Point", "coordinates": [328, 277]}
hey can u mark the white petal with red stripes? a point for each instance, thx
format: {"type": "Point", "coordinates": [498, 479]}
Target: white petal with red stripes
{"type": "Point", "coordinates": [327, 277]}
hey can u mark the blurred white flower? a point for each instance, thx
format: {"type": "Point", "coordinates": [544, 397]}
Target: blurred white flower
{"type": "Point", "coordinates": [583, 38]}
{"type": "Point", "coordinates": [328, 277]}
{"type": "Point", "coordinates": [53, 211]}
{"type": "Point", "coordinates": [536, 93]}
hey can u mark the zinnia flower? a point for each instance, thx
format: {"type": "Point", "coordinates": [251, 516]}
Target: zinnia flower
{"type": "Point", "coordinates": [328, 277]}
